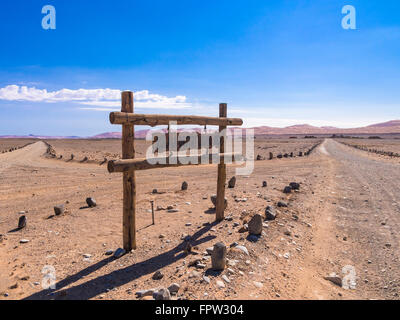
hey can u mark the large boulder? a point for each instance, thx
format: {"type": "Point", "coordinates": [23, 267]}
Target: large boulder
{"type": "Point", "coordinates": [232, 183]}
{"type": "Point", "coordinates": [218, 256]}
{"type": "Point", "coordinates": [255, 225]}
{"type": "Point", "coordinates": [270, 213]}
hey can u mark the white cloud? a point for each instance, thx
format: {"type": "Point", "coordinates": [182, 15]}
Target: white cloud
{"type": "Point", "coordinates": [97, 98]}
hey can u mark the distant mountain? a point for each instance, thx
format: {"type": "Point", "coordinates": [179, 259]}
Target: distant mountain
{"type": "Point", "coordinates": [392, 126]}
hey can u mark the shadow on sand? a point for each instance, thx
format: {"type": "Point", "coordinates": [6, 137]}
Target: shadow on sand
{"type": "Point", "coordinates": [117, 278]}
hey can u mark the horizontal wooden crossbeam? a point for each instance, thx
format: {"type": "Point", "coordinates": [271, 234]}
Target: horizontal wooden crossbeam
{"type": "Point", "coordinates": [124, 165]}
{"type": "Point", "coordinates": [157, 120]}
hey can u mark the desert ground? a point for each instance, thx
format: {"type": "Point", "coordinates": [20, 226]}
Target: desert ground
{"type": "Point", "coordinates": [344, 219]}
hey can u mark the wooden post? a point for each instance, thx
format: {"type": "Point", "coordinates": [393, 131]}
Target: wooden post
{"type": "Point", "coordinates": [220, 207]}
{"type": "Point", "coordinates": [152, 212]}
{"type": "Point", "coordinates": [129, 180]}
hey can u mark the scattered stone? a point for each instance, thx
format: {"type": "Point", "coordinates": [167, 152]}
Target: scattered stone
{"type": "Point", "coordinates": [162, 294]}
{"type": "Point", "coordinates": [243, 249]}
{"type": "Point", "coordinates": [243, 229]}
{"type": "Point", "coordinates": [23, 241]}
{"type": "Point", "coordinates": [234, 244]}
{"type": "Point", "coordinates": [91, 202]}
{"type": "Point", "coordinates": [258, 284]}
{"type": "Point", "coordinates": [21, 222]}
{"type": "Point", "coordinates": [255, 225]}
{"type": "Point", "coordinates": [218, 256]}
{"type": "Point", "coordinates": [287, 232]}
{"type": "Point", "coordinates": [157, 275]}
{"type": "Point", "coordinates": [232, 183]}
{"type": "Point", "coordinates": [220, 284]}
{"type": "Point", "coordinates": [210, 250]}
{"type": "Point", "coordinates": [194, 274]}
{"type": "Point", "coordinates": [287, 189]}
{"type": "Point", "coordinates": [188, 224]}
{"type": "Point", "coordinates": [119, 253]}
{"type": "Point", "coordinates": [145, 293]}
{"type": "Point", "coordinates": [206, 279]}
{"type": "Point", "coordinates": [270, 213]}
{"type": "Point", "coordinates": [214, 200]}
{"type": "Point", "coordinates": [87, 255]}
{"type": "Point", "coordinates": [294, 185]}
{"type": "Point", "coordinates": [58, 210]}
{"type": "Point", "coordinates": [174, 288]}
{"type": "Point", "coordinates": [286, 255]}
{"type": "Point", "coordinates": [264, 184]}
{"type": "Point", "coordinates": [282, 204]}
{"type": "Point", "coordinates": [334, 279]}
{"type": "Point", "coordinates": [225, 278]}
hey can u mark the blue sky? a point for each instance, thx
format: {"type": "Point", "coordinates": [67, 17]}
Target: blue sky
{"type": "Point", "coordinates": [275, 63]}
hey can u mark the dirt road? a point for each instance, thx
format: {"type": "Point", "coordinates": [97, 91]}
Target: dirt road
{"type": "Point", "coordinates": [345, 219]}
{"type": "Point", "coordinates": [365, 211]}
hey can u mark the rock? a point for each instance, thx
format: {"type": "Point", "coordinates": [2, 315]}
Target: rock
{"type": "Point", "coordinates": [233, 244]}
{"type": "Point", "coordinates": [194, 274]}
{"type": "Point", "coordinates": [334, 279]}
{"type": "Point", "coordinates": [220, 284]}
{"type": "Point", "coordinates": [232, 182]}
{"type": "Point", "coordinates": [162, 294]}
{"type": "Point", "coordinates": [174, 288]}
{"type": "Point", "coordinates": [258, 284]}
{"type": "Point", "coordinates": [155, 191]}
{"type": "Point", "coordinates": [218, 256]}
{"type": "Point", "coordinates": [287, 189]}
{"type": "Point", "coordinates": [264, 184]}
{"type": "Point", "coordinates": [87, 255]}
{"type": "Point", "coordinates": [243, 249]}
{"type": "Point", "coordinates": [157, 275]}
{"type": "Point", "coordinates": [294, 185]}
{"type": "Point", "coordinates": [145, 293]}
{"type": "Point", "coordinates": [214, 200]}
{"type": "Point", "coordinates": [188, 224]}
{"type": "Point", "coordinates": [58, 210]}
{"type": "Point", "coordinates": [282, 204]}
{"type": "Point", "coordinates": [109, 252]}
{"type": "Point", "coordinates": [287, 232]}
{"type": "Point", "coordinates": [184, 186]}
{"type": "Point", "coordinates": [23, 241]}
{"type": "Point", "coordinates": [226, 279]}
{"type": "Point", "coordinates": [270, 213]}
{"type": "Point", "coordinates": [22, 212]}
{"type": "Point", "coordinates": [210, 250]}
{"type": "Point", "coordinates": [255, 225]}
{"type": "Point", "coordinates": [243, 229]}
{"type": "Point", "coordinates": [91, 202]}
{"type": "Point", "coordinates": [206, 279]}
{"type": "Point", "coordinates": [22, 222]}
{"type": "Point", "coordinates": [119, 253]}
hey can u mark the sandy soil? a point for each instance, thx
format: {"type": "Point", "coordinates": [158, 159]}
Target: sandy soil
{"type": "Point", "coordinates": [345, 214]}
